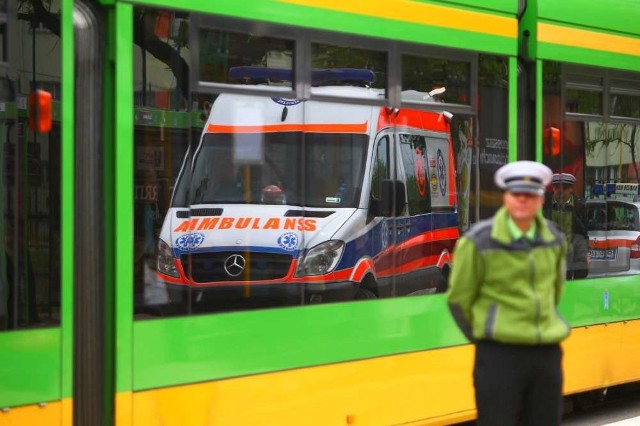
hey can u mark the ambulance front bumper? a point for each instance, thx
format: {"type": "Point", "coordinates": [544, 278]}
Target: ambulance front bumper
{"type": "Point", "coordinates": [272, 294]}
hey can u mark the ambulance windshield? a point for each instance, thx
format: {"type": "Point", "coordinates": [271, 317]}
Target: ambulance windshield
{"type": "Point", "coordinates": [292, 168]}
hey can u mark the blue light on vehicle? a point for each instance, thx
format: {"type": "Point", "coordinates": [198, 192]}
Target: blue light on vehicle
{"type": "Point", "coordinates": [343, 75]}
{"type": "Point", "coordinates": [609, 189]}
{"type": "Point", "coordinates": [604, 189]}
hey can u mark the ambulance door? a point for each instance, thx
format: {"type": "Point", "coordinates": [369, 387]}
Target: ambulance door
{"type": "Point", "coordinates": [385, 234]}
{"type": "Point", "coordinates": [414, 225]}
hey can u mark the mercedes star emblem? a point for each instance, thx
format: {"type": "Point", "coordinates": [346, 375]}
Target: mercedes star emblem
{"type": "Point", "coordinates": [234, 265]}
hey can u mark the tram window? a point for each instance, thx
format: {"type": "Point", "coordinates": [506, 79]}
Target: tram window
{"type": "Point", "coordinates": [244, 58]}
{"type": "Point", "coordinates": [30, 173]}
{"type": "Point", "coordinates": [625, 97]}
{"type": "Point", "coordinates": [626, 106]}
{"type": "Point", "coordinates": [333, 56]}
{"type": "Point", "coordinates": [424, 75]}
{"type": "Point", "coordinates": [245, 200]}
{"type": "Point", "coordinates": [584, 101]}
{"type": "Point", "coordinates": [599, 152]}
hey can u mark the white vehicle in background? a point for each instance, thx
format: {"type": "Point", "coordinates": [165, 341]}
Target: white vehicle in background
{"type": "Point", "coordinates": [287, 201]}
{"type": "Point", "coordinates": [613, 223]}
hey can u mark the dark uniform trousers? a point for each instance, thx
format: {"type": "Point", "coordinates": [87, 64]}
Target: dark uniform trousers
{"type": "Point", "coordinates": [518, 384]}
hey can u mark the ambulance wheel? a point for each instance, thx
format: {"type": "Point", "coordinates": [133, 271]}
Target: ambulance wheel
{"type": "Point", "coordinates": [365, 294]}
{"type": "Point", "coordinates": [442, 283]}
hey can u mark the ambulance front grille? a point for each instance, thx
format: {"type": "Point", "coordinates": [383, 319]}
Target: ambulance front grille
{"type": "Point", "coordinates": [210, 267]}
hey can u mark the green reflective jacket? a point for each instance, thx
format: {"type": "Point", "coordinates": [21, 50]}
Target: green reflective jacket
{"type": "Point", "coordinates": [506, 290]}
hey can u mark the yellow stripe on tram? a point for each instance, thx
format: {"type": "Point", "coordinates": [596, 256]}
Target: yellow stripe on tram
{"type": "Point", "coordinates": [421, 13]}
{"type": "Point", "coordinates": [431, 387]}
{"type": "Point", "coordinates": [45, 413]}
{"type": "Point", "coordinates": [555, 34]}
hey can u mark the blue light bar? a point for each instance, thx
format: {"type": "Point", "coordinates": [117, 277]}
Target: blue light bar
{"type": "Point", "coordinates": [616, 188]}
{"type": "Point", "coordinates": [603, 189]}
{"type": "Point", "coordinates": [343, 74]}
{"type": "Point", "coordinates": [317, 76]}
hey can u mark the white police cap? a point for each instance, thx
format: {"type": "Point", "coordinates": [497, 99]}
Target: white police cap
{"type": "Point", "coordinates": [563, 179]}
{"type": "Point", "coordinates": [523, 176]}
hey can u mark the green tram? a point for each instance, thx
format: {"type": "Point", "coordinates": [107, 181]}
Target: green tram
{"type": "Point", "coordinates": [361, 138]}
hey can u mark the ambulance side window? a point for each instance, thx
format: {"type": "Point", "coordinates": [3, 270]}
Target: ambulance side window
{"type": "Point", "coordinates": [380, 170]}
{"type": "Point", "coordinates": [413, 151]}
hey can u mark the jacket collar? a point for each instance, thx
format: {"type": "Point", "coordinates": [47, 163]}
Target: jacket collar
{"type": "Point", "coordinates": [500, 228]}
{"type": "Point", "coordinates": [570, 202]}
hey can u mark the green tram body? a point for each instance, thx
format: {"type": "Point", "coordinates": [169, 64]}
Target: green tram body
{"type": "Point", "coordinates": [100, 355]}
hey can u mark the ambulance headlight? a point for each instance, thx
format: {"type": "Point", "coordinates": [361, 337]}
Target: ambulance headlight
{"type": "Point", "coordinates": [166, 264]}
{"type": "Point", "coordinates": [321, 259]}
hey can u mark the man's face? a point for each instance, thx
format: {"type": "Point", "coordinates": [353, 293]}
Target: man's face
{"type": "Point", "coordinates": [522, 206]}
{"type": "Point", "coordinates": [562, 192]}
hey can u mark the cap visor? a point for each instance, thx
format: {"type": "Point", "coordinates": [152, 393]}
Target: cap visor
{"type": "Point", "coordinates": [523, 189]}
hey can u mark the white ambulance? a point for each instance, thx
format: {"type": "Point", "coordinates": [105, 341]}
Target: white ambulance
{"type": "Point", "coordinates": [293, 202]}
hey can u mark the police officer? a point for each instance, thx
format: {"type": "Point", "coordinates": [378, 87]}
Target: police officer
{"type": "Point", "coordinates": [507, 277]}
{"type": "Point", "coordinates": [564, 213]}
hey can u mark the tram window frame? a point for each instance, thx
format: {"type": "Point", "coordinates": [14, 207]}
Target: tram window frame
{"type": "Point", "coordinates": [30, 257]}
{"type": "Point", "coordinates": [495, 122]}
{"type": "Point", "coordinates": [608, 83]}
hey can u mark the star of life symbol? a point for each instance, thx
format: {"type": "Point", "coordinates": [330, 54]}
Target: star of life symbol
{"type": "Point", "coordinates": [442, 173]}
{"type": "Point", "coordinates": [190, 241]}
{"type": "Point", "coordinates": [385, 234]}
{"type": "Point", "coordinates": [288, 241]}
